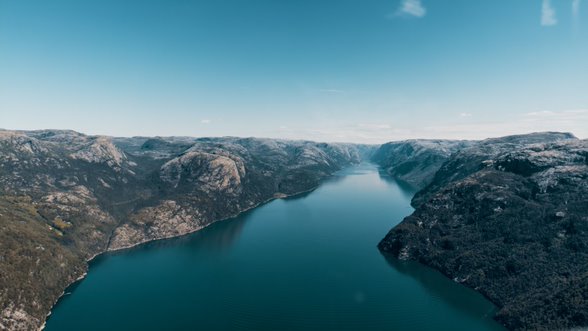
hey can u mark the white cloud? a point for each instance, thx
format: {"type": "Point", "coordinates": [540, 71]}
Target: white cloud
{"type": "Point", "coordinates": [574, 121]}
{"type": "Point", "coordinates": [465, 114]}
{"type": "Point", "coordinates": [331, 90]}
{"type": "Point", "coordinates": [412, 7]}
{"type": "Point", "coordinates": [537, 114]}
{"type": "Point", "coordinates": [548, 14]}
{"type": "Point", "coordinates": [205, 121]}
{"type": "Point", "coordinates": [373, 126]}
{"type": "Point", "coordinates": [576, 7]}
{"type": "Point", "coordinates": [568, 116]}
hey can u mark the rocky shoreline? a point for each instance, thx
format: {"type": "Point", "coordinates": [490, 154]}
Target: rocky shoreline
{"type": "Point", "coordinates": [88, 262]}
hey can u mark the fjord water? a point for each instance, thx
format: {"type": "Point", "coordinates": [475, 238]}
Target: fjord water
{"type": "Point", "coordinates": [303, 263]}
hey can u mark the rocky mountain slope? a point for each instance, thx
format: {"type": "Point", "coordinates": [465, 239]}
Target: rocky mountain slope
{"type": "Point", "coordinates": [509, 218]}
{"type": "Point", "coordinates": [415, 162]}
{"type": "Point", "coordinates": [66, 197]}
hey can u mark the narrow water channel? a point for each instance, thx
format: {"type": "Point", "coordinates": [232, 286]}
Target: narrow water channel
{"type": "Point", "coordinates": [303, 263]}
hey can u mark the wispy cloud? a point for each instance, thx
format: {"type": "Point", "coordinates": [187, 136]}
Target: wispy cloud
{"type": "Point", "coordinates": [373, 126]}
{"type": "Point", "coordinates": [412, 7]}
{"type": "Point", "coordinates": [548, 14]}
{"type": "Point", "coordinates": [567, 116]}
{"type": "Point", "coordinates": [465, 114]}
{"type": "Point", "coordinates": [331, 90]}
{"type": "Point", "coordinates": [206, 121]}
{"type": "Point", "coordinates": [576, 7]}
{"type": "Point", "coordinates": [575, 121]}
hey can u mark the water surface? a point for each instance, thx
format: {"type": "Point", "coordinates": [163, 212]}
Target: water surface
{"type": "Point", "coordinates": [303, 263]}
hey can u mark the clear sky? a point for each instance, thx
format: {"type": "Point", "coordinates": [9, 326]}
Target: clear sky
{"type": "Point", "coordinates": [328, 70]}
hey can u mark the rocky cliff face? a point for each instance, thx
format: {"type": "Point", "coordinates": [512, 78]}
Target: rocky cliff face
{"type": "Point", "coordinates": [66, 197]}
{"type": "Point", "coordinates": [509, 218]}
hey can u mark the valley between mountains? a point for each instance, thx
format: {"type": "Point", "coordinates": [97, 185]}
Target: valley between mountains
{"type": "Point", "coordinates": [505, 216]}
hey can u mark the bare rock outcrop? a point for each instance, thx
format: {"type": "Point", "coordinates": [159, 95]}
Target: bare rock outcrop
{"type": "Point", "coordinates": [214, 172]}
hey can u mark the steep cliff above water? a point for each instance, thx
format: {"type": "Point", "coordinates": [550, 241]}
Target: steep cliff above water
{"type": "Point", "coordinates": [509, 218]}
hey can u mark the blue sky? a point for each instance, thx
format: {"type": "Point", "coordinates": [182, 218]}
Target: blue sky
{"type": "Point", "coordinates": [328, 70]}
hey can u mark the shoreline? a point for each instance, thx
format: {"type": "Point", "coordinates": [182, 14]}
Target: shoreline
{"type": "Point", "coordinates": [80, 278]}
{"type": "Point", "coordinates": [497, 306]}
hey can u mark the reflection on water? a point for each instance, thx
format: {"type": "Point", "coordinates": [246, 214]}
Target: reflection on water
{"type": "Point", "coordinates": [308, 262]}
{"type": "Point", "coordinates": [297, 197]}
{"type": "Point", "coordinates": [219, 236]}
{"type": "Point", "coordinates": [407, 189]}
{"type": "Point", "coordinates": [215, 237]}
{"type": "Point", "coordinates": [437, 285]}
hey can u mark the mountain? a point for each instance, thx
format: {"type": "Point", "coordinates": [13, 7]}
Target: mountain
{"type": "Point", "coordinates": [66, 197]}
{"type": "Point", "coordinates": [415, 162]}
{"type": "Point", "coordinates": [505, 216]}
{"type": "Point", "coordinates": [508, 217]}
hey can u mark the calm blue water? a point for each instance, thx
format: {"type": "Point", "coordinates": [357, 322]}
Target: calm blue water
{"type": "Point", "coordinates": [304, 263]}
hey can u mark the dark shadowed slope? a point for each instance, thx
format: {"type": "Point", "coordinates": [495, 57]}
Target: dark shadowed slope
{"type": "Point", "coordinates": [509, 218]}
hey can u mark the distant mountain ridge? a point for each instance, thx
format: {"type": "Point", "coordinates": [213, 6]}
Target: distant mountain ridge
{"type": "Point", "coordinates": [416, 161]}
